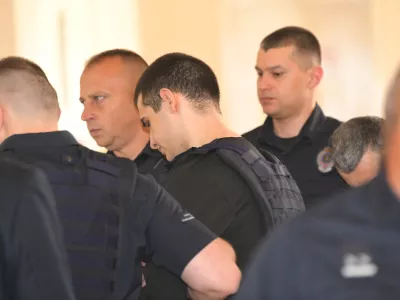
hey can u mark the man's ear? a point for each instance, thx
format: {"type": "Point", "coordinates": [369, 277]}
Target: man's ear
{"type": "Point", "coordinates": [169, 99]}
{"type": "Point", "coordinates": [316, 74]}
{"type": "Point", "coordinates": [3, 134]}
{"type": "Point", "coordinates": [58, 114]}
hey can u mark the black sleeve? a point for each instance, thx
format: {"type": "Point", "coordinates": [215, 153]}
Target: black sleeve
{"type": "Point", "coordinates": [174, 236]}
{"type": "Point", "coordinates": [42, 271]}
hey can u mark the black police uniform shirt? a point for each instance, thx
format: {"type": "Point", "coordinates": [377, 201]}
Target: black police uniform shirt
{"type": "Point", "coordinates": [347, 248]}
{"type": "Point", "coordinates": [306, 156]}
{"type": "Point", "coordinates": [33, 261]}
{"type": "Point", "coordinates": [219, 198]}
{"type": "Point", "coordinates": [172, 238]}
{"type": "Point", "coordinates": [149, 161]}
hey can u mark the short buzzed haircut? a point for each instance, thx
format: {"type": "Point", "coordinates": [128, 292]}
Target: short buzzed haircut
{"type": "Point", "coordinates": [25, 87]}
{"type": "Point", "coordinates": [303, 40]}
{"type": "Point", "coordinates": [124, 54]}
{"type": "Point", "coordinates": [180, 73]}
{"type": "Point", "coordinates": [352, 139]}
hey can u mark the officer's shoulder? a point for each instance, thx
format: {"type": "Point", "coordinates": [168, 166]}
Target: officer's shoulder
{"type": "Point", "coordinates": [15, 178]}
{"type": "Point", "coordinates": [107, 161]}
{"type": "Point", "coordinates": [253, 134]}
{"type": "Point", "coordinates": [12, 169]}
{"type": "Point", "coordinates": [330, 124]}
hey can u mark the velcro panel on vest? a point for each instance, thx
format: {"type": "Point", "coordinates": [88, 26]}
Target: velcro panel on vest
{"type": "Point", "coordinates": [275, 190]}
{"type": "Point", "coordinates": [282, 191]}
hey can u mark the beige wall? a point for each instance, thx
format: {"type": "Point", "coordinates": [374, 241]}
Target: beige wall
{"type": "Point", "coordinates": [359, 53]}
{"type": "Point", "coordinates": [7, 30]}
{"type": "Point", "coordinates": [226, 34]}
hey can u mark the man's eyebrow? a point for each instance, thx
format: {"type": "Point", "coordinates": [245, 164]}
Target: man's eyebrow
{"type": "Point", "coordinates": [270, 68]}
{"type": "Point", "coordinates": [98, 93]}
{"type": "Point", "coordinates": [93, 95]}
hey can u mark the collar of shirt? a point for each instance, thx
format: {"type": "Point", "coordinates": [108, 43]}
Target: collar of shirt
{"type": "Point", "coordinates": [44, 139]}
{"type": "Point", "coordinates": [194, 151]}
{"type": "Point", "coordinates": [147, 151]}
{"type": "Point", "coordinates": [307, 132]}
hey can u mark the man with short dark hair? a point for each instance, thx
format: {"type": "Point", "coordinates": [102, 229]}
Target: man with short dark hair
{"type": "Point", "coordinates": [112, 217]}
{"type": "Point", "coordinates": [296, 130]}
{"type": "Point", "coordinates": [346, 248]}
{"type": "Point", "coordinates": [357, 147]}
{"type": "Point", "coordinates": [107, 86]}
{"type": "Point", "coordinates": [33, 264]}
{"type": "Point", "coordinates": [178, 100]}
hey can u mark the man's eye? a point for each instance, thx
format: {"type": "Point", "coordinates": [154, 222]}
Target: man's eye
{"type": "Point", "coordinates": [277, 74]}
{"type": "Point", "coordinates": [146, 123]}
{"type": "Point", "coordinates": [99, 98]}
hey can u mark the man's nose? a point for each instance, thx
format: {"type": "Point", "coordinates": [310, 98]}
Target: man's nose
{"type": "Point", "coordinates": [153, 143]}
{"type": "Point", "coordinates": [87, 113]}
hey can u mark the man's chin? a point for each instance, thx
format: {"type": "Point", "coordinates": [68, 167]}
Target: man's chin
{"type": "Point", "coordinates": [269, 109]}
{"type": "Point", "coordinates": [270, 112]}
{"type": "Point", "coordinates": [101, 142]}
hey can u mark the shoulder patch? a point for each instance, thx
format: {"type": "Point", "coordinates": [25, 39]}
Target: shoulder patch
{"type": "Point", "coordinates": [324, 160]}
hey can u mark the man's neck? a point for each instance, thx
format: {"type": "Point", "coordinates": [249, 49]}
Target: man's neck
{"type": "Point", "coordinates": [40, 128]}
{"type": "Point", "coordinates": [206, 128]}
{"type": "Point", "coordinates": [291, 126]}
{"type": "Point", "coordinates": [135, 147]}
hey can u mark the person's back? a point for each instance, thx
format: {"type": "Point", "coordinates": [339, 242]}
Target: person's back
{"type": "Point", "coordinates": [85, 191]}
{"type": "Point", "coordinates": [112, 217]}
{"type": "Point", "coordinates": [33, 263]}
{"type": "Point", "coordinates": [182, 112]}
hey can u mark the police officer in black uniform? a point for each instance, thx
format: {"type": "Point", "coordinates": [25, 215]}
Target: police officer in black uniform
{"type": "Point", "coordinates": [296, 130]}
{"type": "Point", "coordinates": [33, 261]}
{"type": "Point", "coordinates": [113, 218]}
{"type": "Point", "coordinates": [348, 247]}
{"type": "Point", "coordinates": [108, 85]}
{"type": "Point", "coordinates": [178, 101]}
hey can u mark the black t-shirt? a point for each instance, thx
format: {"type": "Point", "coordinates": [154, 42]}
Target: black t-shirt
{"type": "Point", "coordinates": [172, 239]}
{"type": "Point", "coordinates": [306, 156]}
{"type": "Point", "coordinates": [33, 260]}
{"type": "Point", "coordinates": [347, 248]}
{"type": "Point", "coordinates": [149, 161]}
{"type": "Point", "coordinates": [218, 197]}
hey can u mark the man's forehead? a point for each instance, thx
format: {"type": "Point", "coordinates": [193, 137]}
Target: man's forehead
{"type": "Point", "coordinates": [275, 56]}
{"type": "Point", "coordinates": [106, 79]}
{"type": "Point", "coordinates": [101, 70]}
{"type": "Point", "coordinates": [94, 83]}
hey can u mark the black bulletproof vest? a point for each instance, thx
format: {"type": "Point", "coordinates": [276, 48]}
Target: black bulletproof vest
{"type": "Point", "coordinates": [91, 191]}
{"type": "Point", "coordinates": [277, 194]}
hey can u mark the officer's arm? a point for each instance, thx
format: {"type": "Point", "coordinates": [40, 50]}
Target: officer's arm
{"type": "Point", "coordinates": [215, 260]}
{"type": "Point", "coordinates": [188, 249]}
{"type": "Point", "coordinates": [42, 269]}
